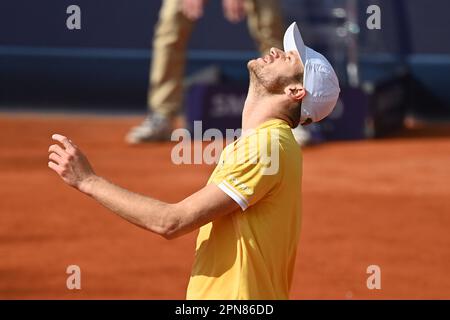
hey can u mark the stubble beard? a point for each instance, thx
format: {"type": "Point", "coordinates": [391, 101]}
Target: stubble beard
{"type": "Point", "coordinates": [256, 80]}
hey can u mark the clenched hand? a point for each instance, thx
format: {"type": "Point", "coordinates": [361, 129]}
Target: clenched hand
{"type": "Point", "coordinates": [192, 9]}
{"type": "Point", "coordinates": [234, 10]}
{"type": "Point", "coordinates": [69, 162]}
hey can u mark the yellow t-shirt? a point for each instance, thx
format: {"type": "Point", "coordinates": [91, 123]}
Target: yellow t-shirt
{"type": "Point", "coordinates": [250, 253]}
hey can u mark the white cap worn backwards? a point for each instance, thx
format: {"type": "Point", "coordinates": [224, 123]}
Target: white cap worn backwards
{"type": "Point", "coordinates": [319, 79]}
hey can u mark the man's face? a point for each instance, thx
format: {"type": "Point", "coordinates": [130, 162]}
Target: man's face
{"type": "Point", "coordinates": [277, 69]}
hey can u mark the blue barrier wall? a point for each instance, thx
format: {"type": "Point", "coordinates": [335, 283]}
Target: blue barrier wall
{"type": "Point", "coordinates": [107, 62]}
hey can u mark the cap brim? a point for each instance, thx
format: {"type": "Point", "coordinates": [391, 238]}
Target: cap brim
{"type": "Point", "coordinates": [293, 41]}
{"type": "Point", "coordinates": [319, 79]}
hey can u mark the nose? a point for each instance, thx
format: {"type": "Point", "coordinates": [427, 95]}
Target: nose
{"type": "Point", "coordinates": [275, 52]}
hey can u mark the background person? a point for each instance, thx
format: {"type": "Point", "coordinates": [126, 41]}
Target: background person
{"type": "Point", "coordinates": [173, 30]}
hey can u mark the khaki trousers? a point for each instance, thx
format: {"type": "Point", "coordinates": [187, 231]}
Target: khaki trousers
{"type": "Point", "coordinates": [172, 34]}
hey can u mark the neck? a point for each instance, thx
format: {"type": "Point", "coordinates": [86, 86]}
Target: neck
{"type": "Point", "coordinates": [260, 107]}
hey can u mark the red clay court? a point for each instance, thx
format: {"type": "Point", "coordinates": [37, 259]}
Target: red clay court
{"type": "Point", "coordinates": [383, 202]}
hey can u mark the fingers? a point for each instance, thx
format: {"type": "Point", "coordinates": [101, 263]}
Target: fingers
{"type": "Point", "coordinates": [68, 144]}
{"type": "Point", "coordinates": [60, 156]}
{"type": "Point", "coordinates": [55, 158]}
{"type": "Point", "coordinates": [55, 167]}
{"type": "Point", "coordinates": [58, 150]}
{"type": "Point", "coordinates": [192, 9]}
{"type": "Point", "coordinates": [63, 140]}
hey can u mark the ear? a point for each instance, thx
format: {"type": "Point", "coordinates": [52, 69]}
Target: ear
{"type": "Point", "coordinates": [295, 92]}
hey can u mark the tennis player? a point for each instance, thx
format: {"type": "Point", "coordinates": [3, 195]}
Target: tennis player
{"type": "Point", "coordinates": [249, 212]}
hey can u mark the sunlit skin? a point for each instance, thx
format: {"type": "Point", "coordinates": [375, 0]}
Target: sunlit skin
{"type": "Point", "coordinates": [275, 88]}
{"type": "Point", "coordinates": [277, 63]}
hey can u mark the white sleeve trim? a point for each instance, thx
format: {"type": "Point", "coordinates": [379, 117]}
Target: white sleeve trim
{"type": "Point", "coordinates": [235, 195]}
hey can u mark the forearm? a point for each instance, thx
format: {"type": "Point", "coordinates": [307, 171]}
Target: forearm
{"type": "Point", "coordinates": [168, 220]}
{"type": "Point", "coordinates": [145, 212]}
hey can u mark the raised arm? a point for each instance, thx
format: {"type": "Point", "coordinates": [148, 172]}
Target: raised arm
{"type": "Point", "coordinates": [167, 220]}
